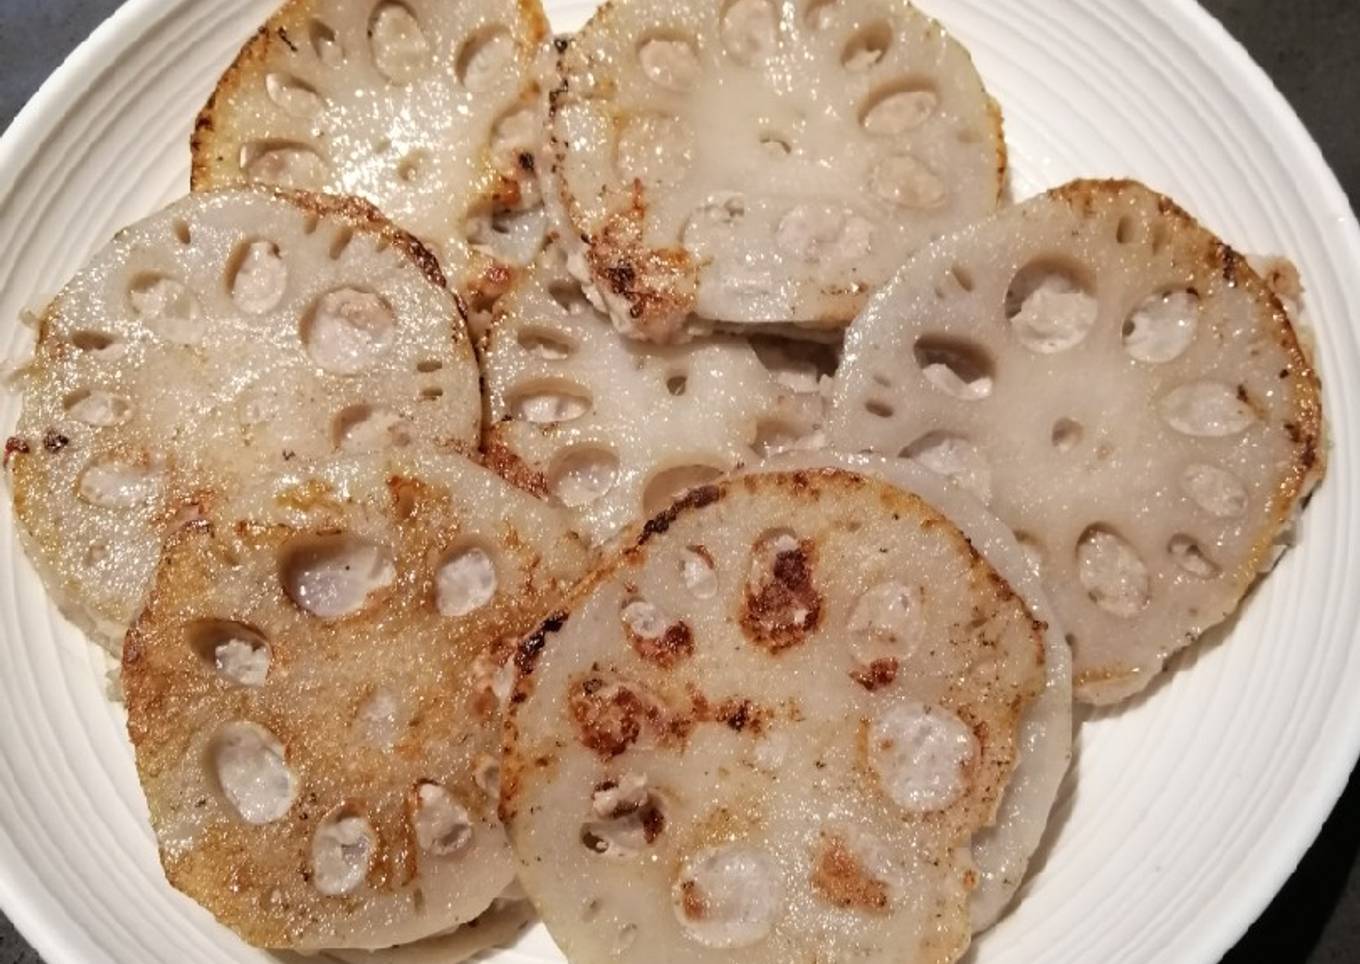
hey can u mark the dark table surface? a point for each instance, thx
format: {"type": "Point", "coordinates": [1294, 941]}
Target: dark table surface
{"type": "Point", "coordinates": [1312, 50]}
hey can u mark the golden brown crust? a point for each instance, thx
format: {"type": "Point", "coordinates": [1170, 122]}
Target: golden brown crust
{"type": "Point", "coordinates": [840, 879]}
{"type": "Point", "coordinates": [659, 285]}
{"type": "Point", "coordinates": [629, 715]}
{"type": "Point", "coordinates": [501, 458]}
{"type": "Point", "coordinates": [363, 216]}
{"type": "Point", "coordinates": [204, 170]}
{"type": "Point", "coordinates": [313, 701]}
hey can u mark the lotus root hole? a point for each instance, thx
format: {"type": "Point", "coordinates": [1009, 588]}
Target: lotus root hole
{"type": "Point", "coordinates": [1208, 409]}
{"type": "Point", "coordinates": [248, 764]}
{"type": "Point", "coordinates": [955, 458]}
{"type": "Point", "coordinates": [166, 306]}
{"type": "Point", "coordinates": [698, 572]}
{"type": "Point", "coordinates": [347, 330]}
{"type": "Point", "coordinates": [292, 95]}
{"type": "Point", "coordinates": [443, 826]}
{"type": "Point", "coordinates": [1215, 490]}
{"type": "Point", "coordinates": [98, 408]}
{"type": "Point", "coordinates": [1033, 550]}
{"type": "Point", "coordinates": [775, 144]}
{"type": "Point", "coordinates": [112, 483]}
{"type": "Point", "coordinates": [956, 367]}
{"type": "Point", "coordinates": [749, 30]}
{"type": "Point", "coordinates": [96, 342]}
{"type": "Point", "coordinates": [628, 818]}
{"type": "Point", "coordinates": [285, 163]}
{"type": "Point", "coordinates": [583, 475]}
{"type": "Point", "coordinates": [369, 428]}
{"type": "Point", "coordinates": [867, 48]}
{"type": "Point", "coordinates": [887, 620]}
{"type": "Point", "coordinates": [343, 847]}
{"type": "Point", "coordinates": [899, 107]}
{"type": "Point", "coordinates": [921, 755]}
{"type": "Point", "coordinates": [401, 51]}
{"type": "Point", "coordinates": [1050, 306]}
{"type": "Point", "coordinates": [465, 581]}
{"type": "Point", "coordinates": [239, 654]}
{"type": "Point", "coordinates": [1161, 328]}
{"type": "Point", "coordinates": [1066, 434]}
{"type": "Point", "coordinates": [336, 575]}
{"type": "Point", "coordinates": [908, 182]}
{"type": "Point", "coordinates": [257, 277]}
{"type": "Point", "coordinates": [670, 61]}
{"type": "Point", "coordinates": [483, 58]}
{"type": "Point", "coordinates": [666, 486]}
{"type": "Point", "coordinates": [412, 166]}
{"type": "Point", "coordinates": [820, 14]}
{"type": "Point", "coordinates": [325, 44]}
{"type": "Point", "coordinates": [544, 344]}
{"type": "Point", "coordinates": [728, 897]}
{"type": "Point", "coordinates": [549, 402]}
{"type": "Point", "coordinates": [774, 436]}
{"type": "Point", "coordinates": [1113, 574]}
{"type": "Point", "coordinates": [1189, 555]}
{"type": "Point", "coordinates": [569, 297]}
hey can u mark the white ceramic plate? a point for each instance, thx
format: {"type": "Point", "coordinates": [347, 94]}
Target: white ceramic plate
{"type": "Point", "coordinates": [1186, 811]}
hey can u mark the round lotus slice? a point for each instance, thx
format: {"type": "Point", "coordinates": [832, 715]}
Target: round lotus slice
{"type": "Point", "coordinates": [763, 161]}
{"type": "Point", "coordinates": [1121, 389]}
{"type": "Point", "coordinates": [430, 109]}
{"type": "Point", "coordinates": [768, 730]}
{"type": "Point", "coordinates": [228, 334]}
{"type": "Point", "coordinates": [314, 694]}
{"type": "Point", "coordinates": [613, 429]}
{"type": "Point", "coordinates": [1001, 852]}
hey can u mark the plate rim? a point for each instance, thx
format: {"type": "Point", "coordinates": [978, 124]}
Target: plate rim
{"type": "Point", "coordinates": [34, 912]}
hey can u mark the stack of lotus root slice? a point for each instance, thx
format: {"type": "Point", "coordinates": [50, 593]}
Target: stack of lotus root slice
{"type": "Point", "coordinates": [646, 479]}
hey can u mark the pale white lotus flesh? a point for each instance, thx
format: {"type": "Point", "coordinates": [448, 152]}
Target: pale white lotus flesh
{"type": "Point", "coordinates": [888, 623]}
{"type": "Point", "coordinates": [430, 110]}
{"type": "Point", "coordinates": [1151, 425]}
{"type": "Point", "coordinates": [344, 338]}
{"type": "Point", "coordinates": [763, 162]}
{"type": "Point", "coordinates": [615, 429]}
{"type": "Point", "coordinates": [312, 729]}
{"type": "Point", "coordinates": [753, 790]}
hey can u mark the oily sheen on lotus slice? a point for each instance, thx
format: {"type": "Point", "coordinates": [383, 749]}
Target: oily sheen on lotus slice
{"type": "Point", "coordinates": [763, 161]}
{"type": "Point", "coordinates": [230, 333]}
{"type": "Point", "coordinates": [314, 692]}
{"type": "Point", "coordinates": [430, 109]}
{"type": "Point", "coordinates": [733, 743]}
{"type": "Point", "coordinates": [1001, 852]}
{"type": "Point", "coordinates": [612, 428]}
{"type": "Point", "coordinates": [1121, 389]}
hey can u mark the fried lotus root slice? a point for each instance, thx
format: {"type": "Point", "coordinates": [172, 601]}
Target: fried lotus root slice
{"type": "Point", "coordinates": [1001, 852]}
{"type": "Point", "coordinates": [614, 429]}
{"type": "Point", "coordinates": [702, 766]}
{"type": "Point", "coordinates": [227, 335]}
{"type": "Point", "coordinates": [430, 109]}
{"type": "Point", "coordinates": [496, 927]}
{"type": "Point", "coordinates": [1121, 389]}
{"type": "Point", "coordinates": [763, 161]}
{"type": "Point", "coordinates": [314, 694]}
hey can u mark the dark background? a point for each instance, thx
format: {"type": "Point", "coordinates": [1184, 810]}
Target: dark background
{"type": "Point", "coordinates": [1312, 50]}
